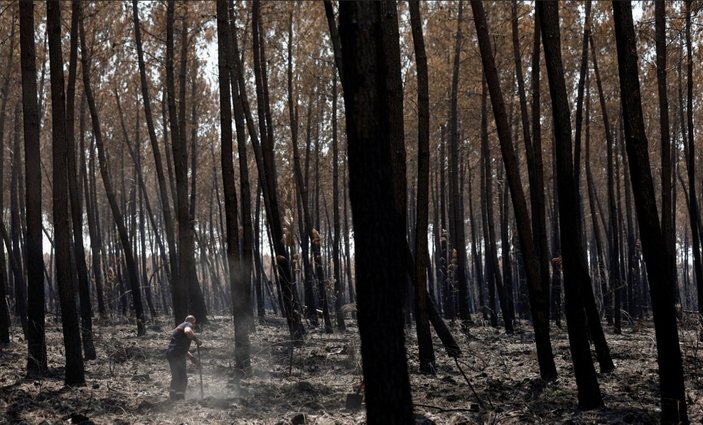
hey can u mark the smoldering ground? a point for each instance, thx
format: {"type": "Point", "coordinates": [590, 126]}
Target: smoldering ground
{"type": "Point", "coordinates": [128, 383]}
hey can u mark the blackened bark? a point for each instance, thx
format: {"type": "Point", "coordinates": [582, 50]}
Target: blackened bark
{"type": "Point", "coordinates": [490, 260]}
{"type": "Point", "coordinates": [658, 258]}
{"type": "Point", "coordinates": [74, 372]}
{"type": "Point", "coordinates": [91, 215]}
{"type": "Point", "coordinates": [4, 311]}
{"type": "Point", "coordinates": [607, 296]}
{"type": "Point", "coordinates": [458, 240]}
{"type": "Point", "coordinates": [666, 165]}
{"type": "Point", "coordinates": [36, 343]}
{"type": "Point", "coordinates": [180, 294]}
{"type": "Point", "coordinates": [268, 173]}
{"type": "Point", "coordinates": [336, 242]}
{"type": "Point", "coordinates": [239, 283]}
{"type": "Point", "coordinates": [537, 197]}
{"type": "Point", "coordinates": [312, 233]}
{"type": "Point", "coordinates": [75, 194]}
{"type": "Point", "coordinates": [378, 225]}
{"type": "Point", "coordinates": [573, 256]}
{"type": "Point", "coordinates": [539, 299]}
{"type": "Point", "coordinates": [160, 177]}
{"type": "Point", "coordinates": [107, 183]}
{"type": "Point", "coordinates": [693, 210]}
{"type": "Point", "coordinates": [583, 75]}
{"type": "Point", "coordinates": [245, 197]}
{"type": "Point", "coordinates": [614, 277]}
{"type": "Point", "coordinates": [424, 338]}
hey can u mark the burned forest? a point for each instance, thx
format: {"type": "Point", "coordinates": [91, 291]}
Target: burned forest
{"type": "Point", "coordinates": [351, 212]}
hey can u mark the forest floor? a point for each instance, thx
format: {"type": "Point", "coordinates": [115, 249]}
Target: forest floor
{"type": "Point", "coordinates": [128, 383]}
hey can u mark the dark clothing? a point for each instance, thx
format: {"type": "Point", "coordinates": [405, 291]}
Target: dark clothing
{"type": "Point", "coordinates": [179, 377]}
{"type": "Point", "coordinates": [180, 343]}
{"type": "Point", "coordinates": [176, 355]}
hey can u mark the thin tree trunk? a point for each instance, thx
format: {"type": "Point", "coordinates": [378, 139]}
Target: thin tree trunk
{"type": "Point", "coordinates": [537, 196]}
{"type": "Point", "coordinates": [36, 343]}
{"type": "Point", "coordinates": [312, 233]}
{"type": "Point", "coordinates": [658, 258]}
{"type": "Point", "coordinates": [486, 199]}
{"type": "Point", "coordinates": [239, 283]}
{"type": "Point", "coordinates": [539, 300]}
{"type": "Point", "coordinates": [245, 190]}
{"type": "Point", "coordinates": [336, 255]}
{"type": "Point", "coordinates": [74, 372]}
{"type": "Point", "coordinates": [666, 164]}
{"type": "Point", "coordinates": [4, 308]}
{"type": "Point", "coordinates": [614, 277]}
{"type": "Point", "coordinates": [693, 211]}
{"type": "Point", "coordinates": [158, 165]}
{"type": "Point", "coordinates": [20, 285]}
{"type": "Point", "coordinates": [75, 194]}
{"type": "Point", "coordinates": [457, 206]}
{"type": "Point", "coordinates": [107, 183]}
{"type": "Point", "coordinates": [424, 338]}
{"type": "Point", "coordinates": [574, 258]}
{"type": "Point", "coordinates": [269, 181]}
{"type": "Point", "coordinates": [91, 215]}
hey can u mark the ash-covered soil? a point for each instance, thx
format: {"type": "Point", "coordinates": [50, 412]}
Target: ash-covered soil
{"type": "Point", "coordinates": [128, 383]}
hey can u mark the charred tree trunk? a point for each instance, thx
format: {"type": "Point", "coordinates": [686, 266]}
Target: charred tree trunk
{"type": "Point", "coordinates": [172, 269]}
{"type": "Point", "coordinates": [693, 210]}
{"type": "Point", "coordinates": [539, 300]}
{"type": "Point", "coordinates": [312, 233]}
{"type": "Point", "coordinates": [75, 194]}
{"type": "Point", "coordinates": [74, 372]}
{"type": "Point", "coordinates": [573, 255]}
{"type": "Point", "coordinates": [378, 224]}
{"type": "Point", "coordinates": [91, 215]}
{"type": "Point", "coordinates": [239, 283]}
{"type": "Point", "coordinates": [667, 216]}
{"type": "Point", "coordinates": [36, 343]}
{"type": "Point", "coordinates": [267, 172]}
{"type": "Point", "coordinates": [107, 183]}
{"type": "Point", "coordinates": [4, 308]}
{"type": "Point", "coordinates": [658, 258]}
{"type": "Point", "coordinates": [458, 240]}
{"type": "Point", "coordinates": [424, 338]}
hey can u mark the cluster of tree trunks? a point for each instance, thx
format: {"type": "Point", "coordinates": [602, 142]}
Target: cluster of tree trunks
{"type": "Point", "coordinates": [503, 269]}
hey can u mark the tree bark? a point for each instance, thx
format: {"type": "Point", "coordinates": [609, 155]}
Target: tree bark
{"type": "Point", "coordinates": [269, 181]}
{"type": "Point", "coordinates": [424, 338]}
{"type": "Point", "coordinates": [4, 309]}
{"type": "Point", "coordinates": [91, 214]}
{"type": "Point", "coordinates": [312, 233]}
{"type": "Point", "coordinates": [379, 227]}
{"type": "Point", "coordinates": [458, 240]}
{"type": "Point", "coordinates": [74, 372]}
{"type": "Point", "coordinates": [36, 343]}
{"type": "Point", "coordinates": [658, 258]}
{"type": "Point", "coordinates": [239, 283]}
{"type": "Point", "coordinates": [86, 312]}
{"type": "Point", "coordinates": [158, 165]}
{"type": "Point", "coordinates": [107, 183]}
{"type": "Point", "coordinates": [537, 196]}
{"type": "Point", "coordinates": [666, 165]}
{"type": "Point", "coordinates": [573, 255]}
{"type": "Point", "coordinates": [245, 190]}
{"type": "Point", "coordinates": [539, 300]}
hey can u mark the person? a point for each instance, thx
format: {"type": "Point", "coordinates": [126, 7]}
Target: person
{"type": "Point", "coordinates": [177, 352]}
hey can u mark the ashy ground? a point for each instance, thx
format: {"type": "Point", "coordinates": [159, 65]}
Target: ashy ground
{"type": "Point", "coordinates": [128, 383]}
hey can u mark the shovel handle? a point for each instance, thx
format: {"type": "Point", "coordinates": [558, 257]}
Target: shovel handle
{"type": "Point", "coordinates": [200, 369]}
